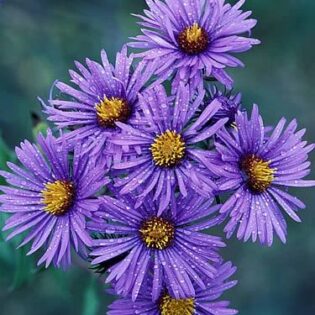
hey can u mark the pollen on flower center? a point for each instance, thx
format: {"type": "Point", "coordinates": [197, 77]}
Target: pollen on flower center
{"type": "Point", "coordinates": [111, 110]}
{"type": "Point", "coordinates": [157, 233]}
{"type": "Point", "coordinates": [171, 306]}
{"type": "Point", "coordinates": [193, 40]}
{"type": "Point", "coordinates": [259, 173]}
{"type": "Point", "coordinates": [58, 197]}
{"type": "Point", "coordinates": [168, 149]}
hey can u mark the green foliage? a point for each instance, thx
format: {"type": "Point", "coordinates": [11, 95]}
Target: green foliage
{"type": "Point", "coordinates": [5, 155]}
{"type": "Point", "coordinates": [41, 127]}
{"type": "Point", "coordinates": [91, 298]}
{"type": "Point", "coordinates": [24, 269]}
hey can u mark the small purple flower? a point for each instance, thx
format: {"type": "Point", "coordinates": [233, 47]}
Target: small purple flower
{"type": "Point", "coordinates": [168, 157]}
{"type": "Point", "coordinates": [204, 302]}
{"type": "Point", "coordinates": [170, 247]}
{"type": "Point", "coordinates": [260, 169]}
{"type": "Point", "coordinates": [106, 94]}
{"type": "Point", "coordinates": [194, 38]}
{"type": "Point", "coordinates": [51, 198]}
{"type": "Point", "coordinates": [231, 105]}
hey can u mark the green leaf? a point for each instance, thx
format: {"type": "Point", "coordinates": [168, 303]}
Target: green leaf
{"type": "Point", "coordinates": [24, 269]}
{"type": "Point", "coordinates": [41, 127]}
{"type": "Point", "coordinates": [91, 302]}
{"type": "Point", "coordinates": [5, 154]}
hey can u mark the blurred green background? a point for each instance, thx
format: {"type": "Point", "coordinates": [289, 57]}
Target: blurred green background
{"type": "Point", "coordinates": [39, 41]}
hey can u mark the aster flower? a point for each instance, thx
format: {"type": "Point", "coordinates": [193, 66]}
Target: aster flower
{"type": "Point", "coordinates": [204, 302]}
{"type": "Point", "coordinates": [261, 168]}
{"type": "Point", "coordinates": [194, 38]}
{"type": "Point", "coordinates": [105, 95]}
{"type": "Point", "coordinates": [168, 156]}
{"type": "Point", "coordinates": [170, 246]}
{"type": "Point", "coordinates": [51, 198]}
{"type": "Point", "coordinates": [231, 104]}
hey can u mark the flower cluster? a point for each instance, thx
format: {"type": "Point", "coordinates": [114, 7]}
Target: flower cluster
{"type": "Point", "coordinates": [139, 174]}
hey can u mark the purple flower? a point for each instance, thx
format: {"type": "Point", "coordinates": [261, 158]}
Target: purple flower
{"type": "Point", "coordinates": [51, 198]}
{"type": "Point", "coordinates": [204, 302]}
{"type": "Point", "coordinates": [194, 38]}
{"type": "Point", "coordinates": [230, 105]}
{"type": "Point", "coordinates": [170, 246]}
{"type": "Point", "coordinates": [105, 95]}
{"type": "Point", "coordinates": [168, 157]}
{"type": "Point", "coordinates": [260, 170]}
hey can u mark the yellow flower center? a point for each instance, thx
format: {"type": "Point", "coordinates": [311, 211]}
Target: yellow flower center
{"type": "Point", "coordinates": [58, 197]}
{"type": "Point", "coordinates": [168, 149]}
{"type": "Point", "coordinates": [171, 306]}
{"type": "Point", "coordinates": [193, 40]}
{"type": "Point", "coordinates": [157, 233]}
{"type": "Point", "coordinates": [111, 110]}
{"type": "Point", "coordinates": [259, 173]}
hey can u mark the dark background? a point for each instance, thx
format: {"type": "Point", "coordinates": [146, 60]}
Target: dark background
{"type": "Point", "coordinates": [39, 41]}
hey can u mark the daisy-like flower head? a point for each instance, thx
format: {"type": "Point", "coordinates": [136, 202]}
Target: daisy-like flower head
{"type": "Point", "coordinates": [51, 198]}
{"type": "Point", "coordinates": [170, 247]}
{"type": "Point", "coordinates": [261, 168]}
{"type": "Point", "coordinates": [231, 105]}
{"type": "Point", "coordinates": [106, 94]}
{"type": "Point", "coordinates": [194, 38]}
{"type": "Point", "coordinates": [204, 302]}
{"type": "Point", "coordinates": [168, 157]}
